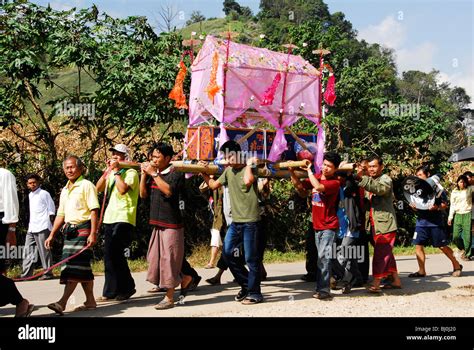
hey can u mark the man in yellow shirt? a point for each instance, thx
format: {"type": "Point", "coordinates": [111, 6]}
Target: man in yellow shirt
{"type": "Point", "coordinates": [77, 219]}
{"type": "Point", "coordinates": [119, 222]}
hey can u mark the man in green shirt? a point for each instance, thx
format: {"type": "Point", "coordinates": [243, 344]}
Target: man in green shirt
{"type": "Point", "coordinates": [243, 192]}
{"type": "Point", "coordinates": [119, 221]}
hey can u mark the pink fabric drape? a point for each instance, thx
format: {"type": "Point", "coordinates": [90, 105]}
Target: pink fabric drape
{"type": "Point", "coordinates": [252, 79]}
{"type": "Point", "coordinates": [330, 92]}
{"type": "Point", "coordinates": [320, 142]}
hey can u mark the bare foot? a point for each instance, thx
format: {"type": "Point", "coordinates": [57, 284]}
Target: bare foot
{"type": "Point", "coordinates": [22, 308]}
{"type": "Point", "coordinates": [186, 281]}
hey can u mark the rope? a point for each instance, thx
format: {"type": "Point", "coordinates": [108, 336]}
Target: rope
{"type": "Point", "coordinates": [52, 267]}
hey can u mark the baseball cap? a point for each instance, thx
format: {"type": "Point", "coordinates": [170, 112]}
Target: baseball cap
{"type": "Point", "coordinates": [121, 148]}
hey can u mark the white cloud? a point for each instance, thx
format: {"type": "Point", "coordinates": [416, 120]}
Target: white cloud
{"type": "Point", "coordinates": [463, 80]}
{"type": "Point", "coordinates": [388, 33]}
{"type": "Point", "coordinates": [60, 6]}
{"type": "Point", "coordinates": [391, 33]}
{"type": "Point", "coordinates": [419, 57]}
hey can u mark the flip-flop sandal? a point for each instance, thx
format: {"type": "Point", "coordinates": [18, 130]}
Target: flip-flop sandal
{"type": "Point", "coordinates": [164, 305]}
{"type": "Point", "coordinates": [251, 301]}
{"type": "Point", "coordinates": [391, 286]}
{"type": "Point", "coordinates": [157, 290]}
{"type": "Point", "coordinates": [374, 290]}
{"type": "Point", "coordinates": [84, 308]}
{"type": "Point", "coordinates": [56, 307]}
{"type": "Point", "coordinates": [416, 275]}
{"type": "Point", "coordinates": [457, 272]}
{"type": "Point", "coordinates": [103, 299]}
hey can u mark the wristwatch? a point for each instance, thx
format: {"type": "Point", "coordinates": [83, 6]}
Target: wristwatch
{"type": "Point", "coordinates": [117, 173]}
{"type": "Point", "coordinates": [154, 175]}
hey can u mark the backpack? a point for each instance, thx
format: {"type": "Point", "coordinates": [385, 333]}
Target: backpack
{"type": "Point", "coordinates": [342, 216]}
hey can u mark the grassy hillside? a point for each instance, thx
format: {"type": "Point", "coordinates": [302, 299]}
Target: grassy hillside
{"type": "Point", "coordinates": [67, 78]}
{"type": "Point", "coordinates": [248, 30]}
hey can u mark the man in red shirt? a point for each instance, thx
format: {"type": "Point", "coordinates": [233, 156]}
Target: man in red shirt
{"type": "Point", "coordinates": [324, 198]}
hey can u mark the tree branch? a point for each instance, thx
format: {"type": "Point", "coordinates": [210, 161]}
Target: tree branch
{"type": "Point", "coordinates": [11, 128]}
{"type": "Point", "coordinates": [36, 106]}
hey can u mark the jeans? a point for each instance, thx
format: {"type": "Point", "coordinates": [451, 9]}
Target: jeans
{"type": "Point", "coordinates": [324, 244]}
{"type": "Point", "coordinates": [248, 234]}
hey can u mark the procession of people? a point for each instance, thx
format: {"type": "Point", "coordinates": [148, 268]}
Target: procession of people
{"type": "Point", "coordinates": [348, 210]}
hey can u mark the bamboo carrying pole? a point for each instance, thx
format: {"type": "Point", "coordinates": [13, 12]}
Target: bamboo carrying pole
{"type": "Point", "coordinates": [213, 169]}
{"type": "Point", "coordinates": [280, 168]}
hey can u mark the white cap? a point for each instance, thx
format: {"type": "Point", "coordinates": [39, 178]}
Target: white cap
{"type": "Point", "coordinates": [122, 149]}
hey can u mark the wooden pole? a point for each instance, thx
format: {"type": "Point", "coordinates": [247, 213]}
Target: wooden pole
{"type": "Point", "coordinates": [292, 164]}
{"type": "Point", "coordinates": [297, 138]}
{"type": "Point", "coordinates": [250, 133]}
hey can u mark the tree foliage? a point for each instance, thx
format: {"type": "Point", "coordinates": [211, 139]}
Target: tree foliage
{"type": "Point", "coordinates": [132, 70]}
{"type": "Point", "coordinates": [196, 17]}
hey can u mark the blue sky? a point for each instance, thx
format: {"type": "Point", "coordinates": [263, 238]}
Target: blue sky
{"type": "Point", "coordinates": [425, 34]}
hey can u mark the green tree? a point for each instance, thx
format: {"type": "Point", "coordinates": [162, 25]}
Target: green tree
{"type": "Point", "coordinates": [196, 17]}
{"type": "Point", "coordinates": [231, 5]}
{"type": "Point", "coordinates": [130, 68]}
{"type": "Point", "coordinates": [246, 11]}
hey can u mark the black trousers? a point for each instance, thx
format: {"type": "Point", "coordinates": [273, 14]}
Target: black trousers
{"type": "Point", "coordinates": [3, 242]}
{"type": "Point", "coordinates": [9, 294]}
{"type": "Point", "coordinates": [364, 265]}
{"type": "Point", "coordinates": [187, 269]}
{"type": "Point", "coordinates": [311, 251]}
{"type": "Point", "coordinates": [118, 279]}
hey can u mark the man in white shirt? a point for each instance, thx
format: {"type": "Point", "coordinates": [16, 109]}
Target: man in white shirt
{"type": "Point", "coordinates": [9, 209]}
{"type": "Point", "coordinates": [42, 212]}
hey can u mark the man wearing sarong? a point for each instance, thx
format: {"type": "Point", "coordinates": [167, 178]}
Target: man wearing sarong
{"type": "Point", "coordinates": [382, 223]}
{"type": "Point", "coordinates": [77, 219]}
{"type": "Point", "coordinates": [166, 248]}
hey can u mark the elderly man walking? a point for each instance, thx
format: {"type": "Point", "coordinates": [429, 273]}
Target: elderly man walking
{"type": "Point", "coordinates": [77, 219]}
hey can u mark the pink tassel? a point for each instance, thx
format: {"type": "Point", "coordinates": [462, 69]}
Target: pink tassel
{"type": "Point", "coordinates": [330, 92]}
{"type": "Point", "coordinates": [270, 92]}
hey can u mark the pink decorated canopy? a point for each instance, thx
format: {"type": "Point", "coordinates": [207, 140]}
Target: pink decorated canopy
{"type": "Point", "coordinates": [258, 83]}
